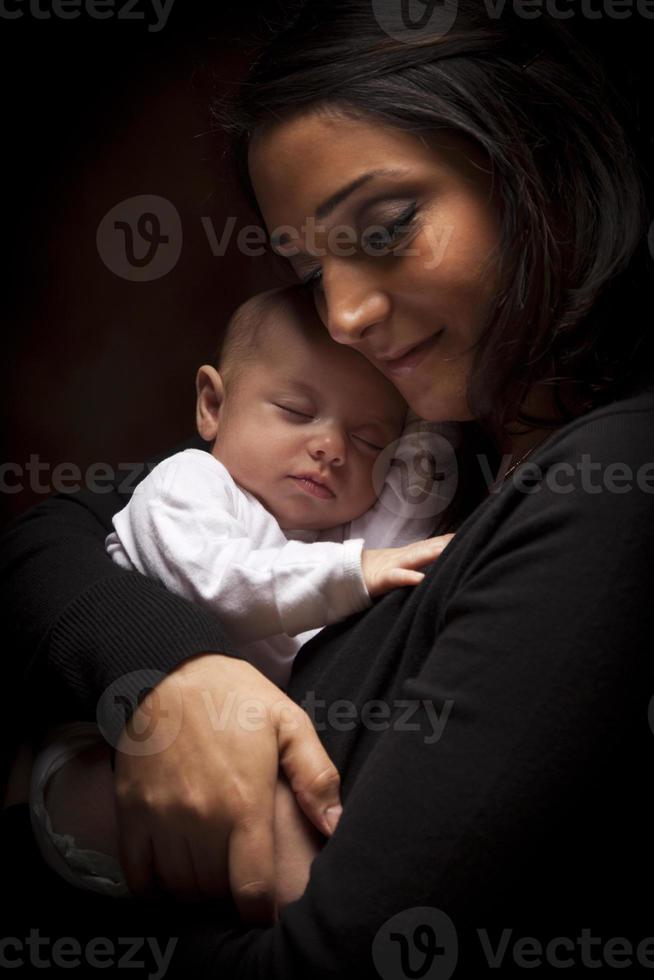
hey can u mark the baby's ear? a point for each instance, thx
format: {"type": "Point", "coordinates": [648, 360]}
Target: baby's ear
{"type": "Point", "coordinates": [210, 393]}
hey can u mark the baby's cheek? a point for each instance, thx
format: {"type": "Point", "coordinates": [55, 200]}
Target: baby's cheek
{"type": "Point", "coordinates": [365, 489]}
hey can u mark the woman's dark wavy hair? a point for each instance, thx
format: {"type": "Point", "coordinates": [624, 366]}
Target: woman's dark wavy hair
{"type": "Point", "coordinates": [574, 261]}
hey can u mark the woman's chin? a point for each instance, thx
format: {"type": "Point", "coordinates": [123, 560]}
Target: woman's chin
{"type": "Point", "coordinates": [437, 409]}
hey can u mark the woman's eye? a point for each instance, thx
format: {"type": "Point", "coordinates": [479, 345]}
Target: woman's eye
{"type": "Point", "coordinates": [313, 279]}
{"type": "Point", "coordinates": [378, 242]}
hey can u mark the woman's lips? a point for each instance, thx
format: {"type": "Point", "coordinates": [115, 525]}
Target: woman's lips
{"type": "Point", "coordinates": [315, 489]}
{"type": "Point", "coordinates": [410, 360]}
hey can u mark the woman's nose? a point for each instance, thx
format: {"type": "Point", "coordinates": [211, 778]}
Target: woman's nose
{"type": "Point", "coordinates": [354, 305]}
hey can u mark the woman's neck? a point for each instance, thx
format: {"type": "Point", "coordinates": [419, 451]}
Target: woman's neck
{"type": "Point", "coordinates": [520, 439]}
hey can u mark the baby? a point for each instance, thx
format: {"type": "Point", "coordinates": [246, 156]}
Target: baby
{"type": "Point", "coordinates": [268, 529]}
{"type": "Point", "coordinates": [271, 529]}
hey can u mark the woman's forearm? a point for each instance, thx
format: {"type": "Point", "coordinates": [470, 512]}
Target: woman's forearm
{"type": "Point", "coordinates": [74, 622]}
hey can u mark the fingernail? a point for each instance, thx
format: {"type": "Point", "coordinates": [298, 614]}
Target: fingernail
{"type": "Point", "coordinates": [332, 816]}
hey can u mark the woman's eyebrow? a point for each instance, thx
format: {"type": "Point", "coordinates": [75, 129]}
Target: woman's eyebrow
{"type": "Point", "coordinates": [280, 239]}
{"type": "Point", "coordinates": [326, 208]}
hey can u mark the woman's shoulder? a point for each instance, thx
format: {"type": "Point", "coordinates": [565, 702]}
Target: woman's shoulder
{"type": "Point", "coordinates": [610, 447]}
{"type": "Point", "coordinates": [596, 470]}
{"type": "Point", "coordinates": [626, 424]}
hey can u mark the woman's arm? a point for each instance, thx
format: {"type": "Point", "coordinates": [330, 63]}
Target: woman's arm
{"type": "Point", "coordinates": [77, 627]}
{"type": "Point", "coordinates": [73, 619]}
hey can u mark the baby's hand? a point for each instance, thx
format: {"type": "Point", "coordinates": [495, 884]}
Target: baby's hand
{"type": "Point", "coordinates": [390, 568]}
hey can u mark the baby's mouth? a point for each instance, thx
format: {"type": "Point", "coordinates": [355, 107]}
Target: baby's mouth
{"type": "Point", "coordinates": [313, 486]}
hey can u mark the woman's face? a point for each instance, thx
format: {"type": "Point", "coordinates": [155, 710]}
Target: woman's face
{"type": "Point", "coordinates": [398, 237]}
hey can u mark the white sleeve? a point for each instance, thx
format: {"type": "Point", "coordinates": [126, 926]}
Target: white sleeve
{"type": "Point", "coordinates": [181, 528]}
{"type": "Point", "coordinates": [415, 478]}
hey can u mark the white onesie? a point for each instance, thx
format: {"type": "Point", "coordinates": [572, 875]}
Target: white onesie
{"type": "Point", "coordinates": [189, 525]}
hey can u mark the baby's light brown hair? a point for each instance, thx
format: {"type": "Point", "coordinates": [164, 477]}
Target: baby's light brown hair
{"type": "Point", "coordinates": [252, 325]}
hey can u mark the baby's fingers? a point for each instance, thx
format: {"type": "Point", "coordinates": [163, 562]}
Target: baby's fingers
{"type": "Point", "coordinates": [396, 578]}
{"type": "Point", "coordinates": [423, 552]}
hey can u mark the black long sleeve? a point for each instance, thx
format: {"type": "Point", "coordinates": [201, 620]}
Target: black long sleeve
{"type": "Point", "coordinates": [73, 622]}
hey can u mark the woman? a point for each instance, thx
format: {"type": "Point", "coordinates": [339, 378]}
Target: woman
{"type": "Point", "coordinates": [490, 728]}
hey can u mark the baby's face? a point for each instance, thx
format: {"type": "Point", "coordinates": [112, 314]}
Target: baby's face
{"type": "Point", "coordinates": [302, 427]}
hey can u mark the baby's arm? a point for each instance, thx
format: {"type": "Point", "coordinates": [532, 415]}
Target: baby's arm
{"type": "Point", "coordinates": [182, 527]}
{"type": "Point", "coordinates": [190, 527]}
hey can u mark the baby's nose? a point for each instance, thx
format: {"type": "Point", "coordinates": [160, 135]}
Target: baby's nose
{"type": "Point", "coordinates": [330, 447]}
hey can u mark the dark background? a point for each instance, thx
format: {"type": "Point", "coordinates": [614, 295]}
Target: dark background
{"type": "Point", "coordinates": [97, 368]}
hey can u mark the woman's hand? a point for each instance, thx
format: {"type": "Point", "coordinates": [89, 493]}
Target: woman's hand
{"type": "Point", "coordinates": [390, 568]}
{"type": "Point", "coordinates": [197, 816]}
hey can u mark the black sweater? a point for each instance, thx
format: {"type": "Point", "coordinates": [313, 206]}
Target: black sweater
{"type": "Point", "coordinates": [491, 725]}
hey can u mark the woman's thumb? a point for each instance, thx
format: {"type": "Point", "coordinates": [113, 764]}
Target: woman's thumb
{"type": "Point", "coordinates": [312, 775]}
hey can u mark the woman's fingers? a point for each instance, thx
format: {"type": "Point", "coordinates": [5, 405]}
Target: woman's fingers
{"type": "Point", "coordinates": [136, 856]}
{"type": "Point", "coordinates": [252, 868]}
{"type": "Point", "coordinates": [173, 868]}
{"type": "Point", "coordinates": [211, 865]}
{"type": "Point", "coordinates": [312, 775]}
